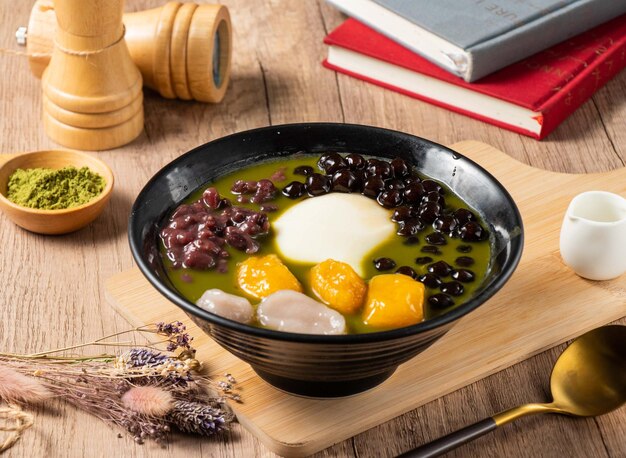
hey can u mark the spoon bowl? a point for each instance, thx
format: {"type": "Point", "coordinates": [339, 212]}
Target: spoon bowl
{"type": "Point", "coordinates": [589, 378]}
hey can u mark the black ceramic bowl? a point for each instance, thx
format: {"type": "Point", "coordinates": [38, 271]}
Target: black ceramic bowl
{"type": "Point", "coordinates": [318, 365]}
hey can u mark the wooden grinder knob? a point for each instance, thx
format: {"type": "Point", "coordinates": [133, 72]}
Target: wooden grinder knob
{"type": "Point", "coordinates": [92, 96]}
{"type": "Point", "coordinates": [183, 50]}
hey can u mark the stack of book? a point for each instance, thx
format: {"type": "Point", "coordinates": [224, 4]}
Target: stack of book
{"type": "Point", "coordinates": [524, 65]}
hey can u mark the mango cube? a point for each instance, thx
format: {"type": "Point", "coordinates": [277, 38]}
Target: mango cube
{"type": "Point", "coordinates": [263, 275]}
{"type": "Point", "coordinates": [338, 285]}
{"type": "Point", "coordinates": [393, 301]}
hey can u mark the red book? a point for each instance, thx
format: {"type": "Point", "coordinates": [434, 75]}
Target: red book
{"type": "Point", "coordinates": [532, 96]}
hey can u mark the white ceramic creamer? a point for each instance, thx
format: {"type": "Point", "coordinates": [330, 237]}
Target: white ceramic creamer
{"type": "Point", "coordinates": [593, 235]}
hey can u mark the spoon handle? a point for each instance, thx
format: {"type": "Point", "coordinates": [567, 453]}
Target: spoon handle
{"type": "Point", "coordinates": [469, 433]}
{"type": "Point", "coordinates": [453, 440]}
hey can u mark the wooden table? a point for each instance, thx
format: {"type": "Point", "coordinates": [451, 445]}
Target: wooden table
{"type": "Point", "coordinates": [52, 287]}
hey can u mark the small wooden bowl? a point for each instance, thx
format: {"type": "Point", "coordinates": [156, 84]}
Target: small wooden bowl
{"type": "Point", "coordinates": [54, 221]}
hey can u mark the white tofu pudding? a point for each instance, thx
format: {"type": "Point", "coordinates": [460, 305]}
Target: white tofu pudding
{"type": "Point", "coordinates": [344, 227]}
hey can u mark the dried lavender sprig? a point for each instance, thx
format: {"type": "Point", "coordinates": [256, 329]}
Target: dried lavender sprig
{"type": "Point", "coordinates": [196, 418]}
{"type": "Point", "coordinates": [148, 362]}
{"type": "Point", "coordinates": [101, 398]}
{"type": "Point", "coordinates": [143, 357]}
{"type": "Point", "coordinates": [175, 333]}
{"type": "Point", "coordinates": [142, 427]}
{"type": "Point", "coordinates": [97, 383]}
{"type": "Point", "coordinates": [125, 375]}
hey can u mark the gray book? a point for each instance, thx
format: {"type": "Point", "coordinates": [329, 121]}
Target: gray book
{"type": "Point", "coordinates": [473, 38]}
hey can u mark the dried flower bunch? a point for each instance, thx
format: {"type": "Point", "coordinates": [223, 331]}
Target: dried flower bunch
{"type": "Point", "coordinates": [145, 390]}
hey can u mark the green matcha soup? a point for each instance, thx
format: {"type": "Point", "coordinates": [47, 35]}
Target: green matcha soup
{"type": "Point", "coordinates": [435, 240]}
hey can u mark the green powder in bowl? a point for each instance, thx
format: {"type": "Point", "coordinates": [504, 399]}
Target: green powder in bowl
{"type": "Point", "coordinates": [49, 189]}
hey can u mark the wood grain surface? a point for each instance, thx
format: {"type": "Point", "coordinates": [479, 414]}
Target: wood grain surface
{"type": "Point", "coordinates": [53, 291]}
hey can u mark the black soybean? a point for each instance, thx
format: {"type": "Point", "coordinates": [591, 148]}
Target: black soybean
{"type": "Point", "coordinates": [355, 161]}
{"type": "Point", "coordinates": [453, 288]}
{"type": "Point", "coordinates": [361, 176]}
{"type": "Point", "coordinates": [382, 264]}
{"type": "Point", "coordinates": [401, 214]}
{"type": "Point", "coordinates": [413, 192]}
{"type": "Point", "coordinates": [464, 261]}
{"type": "Point", "coordinates": [322, 159]}
{"type": "Point", "coordinates": [410, 226]}
{"type": "Point", "coordinates": [446, 224]}
{"type": "Point", "coordinates": [380, 168]}
{"type": "Point", "coordinates": [463, 275]}
{"type": "Point", "coordinates": [464, 248]}
{"type": "Point", "coordinates": [305, 170]}
{"type": "Point", "coordinates": [332, 162]}
{"type": "Point", "coordinates": [472, 232]}
{"type": "Point", "coordinates": [394, 183]}
{"type": "Point", "coordinates": [411, 179]}
{"type": "Point", "coordinates": [440, 301]}
{"type": "Point", "coordinates": [317, 184]}
{"type": "Point", "coordinates": [430, 185]}
{"type": "Point", "coordinates": [429, 212]}
{"type": "Point", "coordinates": [434, 196]}
{"type": "Point", "coordinates": [389, 199]}
{"type": "Point", "coordinates": [400, 167]}
{"type": "Point", "coordinates": [373, 186]}
{"type": "Point", "coordinates": [463, 215]}
{"type": "Point", "coordinates": [430, 280]}
{"type": "Point", "coordinates": [294, 190]}
{"type": "Point", "coordinates": [436, 238]}
{"type": "Point", "coordinates": [440, 268]}
{"type": "Point", "coordinates": [409, 271]}
{"type": "Point", "coordinates": [345, 181]}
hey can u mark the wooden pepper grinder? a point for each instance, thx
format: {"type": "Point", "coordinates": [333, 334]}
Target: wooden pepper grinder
{"type": "Point", "coordinates": [92, 90]}
{"type": "Point", "coordinates": [183, 50]}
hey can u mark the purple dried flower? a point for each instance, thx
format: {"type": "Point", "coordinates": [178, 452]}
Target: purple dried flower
{"type": "Point", "coordinates": [138, 357]}
{"type": "Point", "coordinates": [143, 427]}
{"type": "Point", "coordinates": [175, 327]}
{"type": "Point", "coordinates": [100, 384]}
{"type": "Point", "coordinates": [183, 340]}
{"type": "Point", "coordinates": [122, 386]}
{"type": "Point", "coordinates": [195, 418]}
{"type": "Point", "coordinates": [176, 333]}
{"type": "Point", "coordinates": [170, 371]}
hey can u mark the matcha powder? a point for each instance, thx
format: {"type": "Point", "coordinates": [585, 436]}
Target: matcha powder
{"type": "Point", "coordinates": [49, 189]}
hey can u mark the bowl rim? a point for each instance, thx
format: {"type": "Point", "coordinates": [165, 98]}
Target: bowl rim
{"type": "Point", "coordinates": [189, 307]}
{"type": "Point", "coordinates": [105, 194]}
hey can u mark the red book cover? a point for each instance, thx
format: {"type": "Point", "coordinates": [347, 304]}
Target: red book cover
{"type": "Point", "coordinates": [552, 83]}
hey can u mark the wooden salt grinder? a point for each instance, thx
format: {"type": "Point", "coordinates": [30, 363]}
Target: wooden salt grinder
{"type": "Point", "coordinates": [92, 90]}
{"type": "Point", "coordinates": [182, 50]}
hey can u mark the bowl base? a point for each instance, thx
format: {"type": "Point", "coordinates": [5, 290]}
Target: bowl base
{"type": "Point", "coordinates": [321, 389]}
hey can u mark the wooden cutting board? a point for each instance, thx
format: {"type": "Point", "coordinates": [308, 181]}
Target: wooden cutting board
{"type": "Point", "coordinates": [543, 305]}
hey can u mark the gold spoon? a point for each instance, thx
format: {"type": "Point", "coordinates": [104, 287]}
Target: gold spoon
{"type": "Point", "coordinates": [588, 379]}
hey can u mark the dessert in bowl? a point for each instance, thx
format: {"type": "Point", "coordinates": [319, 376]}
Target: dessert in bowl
{"type": "Point", "coordinates": [299, 226]}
